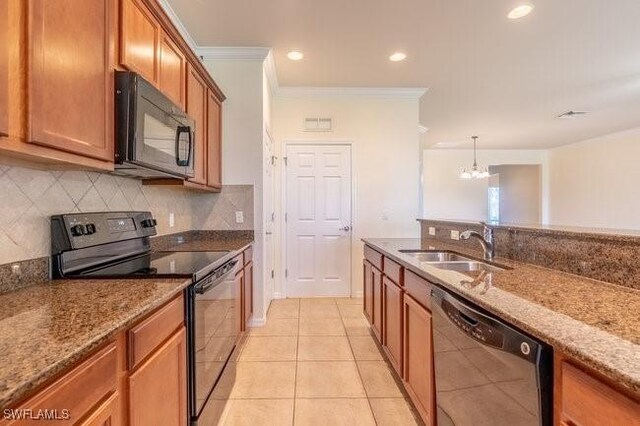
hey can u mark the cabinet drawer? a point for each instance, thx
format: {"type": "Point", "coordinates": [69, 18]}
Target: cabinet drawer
{"type": "Point", "coordinates": [418, 288]}
{"type": "Point", "coordinates": [394, 271]}
{"type": "Point", "coordinates": [373, 257]}
{"type": "Point", "coordinates": [151, 332]}
{"type": "Point", "coordinates": [79, 390]}
{"type": "Point", "coordinates": [248, 255]}
{"type": "Point", "coordinates": [587, 401]}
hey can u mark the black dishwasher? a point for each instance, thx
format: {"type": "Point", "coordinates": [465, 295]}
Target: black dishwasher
{"type": "Point", "coordinates": [486, 371]}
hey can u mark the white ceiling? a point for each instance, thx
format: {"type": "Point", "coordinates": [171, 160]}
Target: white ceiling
{"type": "Point", "coordinates": [503, 80]}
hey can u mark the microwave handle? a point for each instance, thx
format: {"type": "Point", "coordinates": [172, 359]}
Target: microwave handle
{"type": "Point", "coordinates": [179, 161]}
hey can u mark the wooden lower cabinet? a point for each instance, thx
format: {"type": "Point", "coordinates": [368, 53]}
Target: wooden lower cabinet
{"type": "Point", "coordinates": [239, 288]}
{"type": "Point", "coordinates": [376, 324]}
{"type": "Point", "coordinates": [418, 358]}
{"type": "Point", "coordinates": [248, 292]}
{"type": "Point", "coordinates": [106, 414]}
{"type": "Point", "coordinates": [158, 389]}
{"type": "Point", "coordinates": [583, 400]}
{"type": "Point", "coordinates": [368, 290]}
{"type": "Point", "coordinates": [392, 304]}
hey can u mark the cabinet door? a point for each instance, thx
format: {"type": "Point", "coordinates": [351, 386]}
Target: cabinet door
{"type": "Point", "coordinates": [248, 293]}
{"type": "Point", "coordinates": [139, 39]}
{"type": "Point", "coordinates": [70, 77]}
{"type": "Point", "coordinates": [418, 358]}
{"type": "Point", "coordinates": [196, 108]}
{"type": "Point", "coordinates": [239, 287]}
{"type": "Point", "coordinates": [214, 141]}
{"type": "Point", "coordinates": [106, 414]}
{"type": "Point", "coordinates": [586, 401]}
{"type": "Point", "coordinates": [376, 325]}
{"type": "Point", "coordinates": [4, 68]}
{"type": "Point", "coordinates": [158, 389]}
{"type": "Point", "coordinates": [172, 70]}
{"type": "Point", "coordinates": [368, 291]}
{"type": "Point", "coordinates": [392, 323]}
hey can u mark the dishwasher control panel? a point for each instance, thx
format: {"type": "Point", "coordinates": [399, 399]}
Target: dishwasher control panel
{"type": "Point", "coordinates": [473, 327]}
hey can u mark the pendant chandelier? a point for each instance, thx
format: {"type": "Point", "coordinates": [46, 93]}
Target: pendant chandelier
{"type": "Point", "coordinates": [474, 172]}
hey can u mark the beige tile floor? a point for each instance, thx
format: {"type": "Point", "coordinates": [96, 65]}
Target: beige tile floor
{"type": "Point", "coordinates": [315, 363]}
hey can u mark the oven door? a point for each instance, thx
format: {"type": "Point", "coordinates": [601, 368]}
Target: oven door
{"type": "Point", "coordinates": [212, 330]}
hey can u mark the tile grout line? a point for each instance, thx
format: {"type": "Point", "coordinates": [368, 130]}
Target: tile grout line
{"type": "Point", "coordinates": [375, 421]}
{"type": "Point", "coordinates": [295, 374]}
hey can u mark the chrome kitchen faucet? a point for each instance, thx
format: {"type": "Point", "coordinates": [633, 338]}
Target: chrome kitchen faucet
{"type": "Point", "coordinates": [486, 240]}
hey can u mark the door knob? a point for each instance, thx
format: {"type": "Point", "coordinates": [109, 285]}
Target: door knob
{"type": "Point", "coordinates": [345, 228]}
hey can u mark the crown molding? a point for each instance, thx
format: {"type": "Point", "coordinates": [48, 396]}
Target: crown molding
{"type": "Point", "coordinates": [374, 92]}
{"type": "Point", "coordinates": [178, 24]}
{"type": "Point", "coordinates": [233, 53]}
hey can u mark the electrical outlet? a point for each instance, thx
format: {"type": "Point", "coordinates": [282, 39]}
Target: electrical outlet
{"type": "Point", "coordinates": [239, 217]}
{"type": "Point", "coordinates": [172, 220]}
{"type": "Point", "coordinates": [432, 230]}
{"type": "Point", "coordinates": [455, 235]}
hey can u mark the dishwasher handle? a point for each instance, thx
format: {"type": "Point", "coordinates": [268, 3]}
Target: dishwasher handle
{"type": "Point", "coordinates": [483, 328]}
{"type": "Point", "coordinates": [216, 277]}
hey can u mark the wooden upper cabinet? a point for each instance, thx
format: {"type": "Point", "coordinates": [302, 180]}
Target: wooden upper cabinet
{"type": "Point", "coordinates": [139, 39]}
{"type": "Point", "coordinates": [158, 389]}
{"type": "Point", "coordinates": [70, 76]}
{"type": "Point", "coordinates": [4, 68]}
{"type": "Point", "coordinates": [214, 141]}
{"type": "Point", "coordinates": [172, 70]}
{"type": "Point", "coordinates": [196, 108]}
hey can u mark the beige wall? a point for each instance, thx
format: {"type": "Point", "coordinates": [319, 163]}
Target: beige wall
{"type": "Point", "coordinates": [446, 196]}
{"type": "Point", "coordinates": [384, 132]}
{"type": "Point", "coordinates": [597, 182]}
{"type": "Point", "coordinates": [243, 119]}
{"type": "Point", "coordinates": [28, 197]}
{"type": "Point", "coordinates": [520, 193]}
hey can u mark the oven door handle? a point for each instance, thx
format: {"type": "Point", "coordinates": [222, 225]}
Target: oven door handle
{"type": "Point", "coordinates": [179, 160]}
{"type": "Point", "coordinates": [227, 269]}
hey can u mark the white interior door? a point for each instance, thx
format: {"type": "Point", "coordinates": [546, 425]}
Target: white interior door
{"type": "Point", "coordinates": [318, 221]}
{"type": "Point", "coordinates": [269, 215]}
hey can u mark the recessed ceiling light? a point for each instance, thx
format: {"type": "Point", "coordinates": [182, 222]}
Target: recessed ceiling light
{"type": "Point", "coordinates": [397, 57]}
{"type": "Point", "coordinates": [520, 11]}
{"type": "Point", "coordinates": [295, 55]}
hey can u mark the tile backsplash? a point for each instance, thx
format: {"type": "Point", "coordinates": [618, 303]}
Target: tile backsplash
{"type": "Point", "coordinates": [28, 197]}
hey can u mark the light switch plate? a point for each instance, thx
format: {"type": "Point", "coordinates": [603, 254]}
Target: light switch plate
{"type": "Point", "coordinates": [432, 230]}
{"type": "Point", "coordinates": [455, 235]}
{"type": "Point", "coordinates": [239, 217]}
{"type": "Point", "coordinates": [172, 220]}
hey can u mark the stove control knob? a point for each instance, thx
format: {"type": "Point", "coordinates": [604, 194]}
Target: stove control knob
{"type": "Point", "coordinates": [149, 223]}
{"type": "Point", "coordinates": [78, 230]}
{"type": "Point", "coordinates": [91, 229]}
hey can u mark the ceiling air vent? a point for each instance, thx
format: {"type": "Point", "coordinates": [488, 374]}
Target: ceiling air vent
{"type": "Point", "coordinates": [318, 125]}
{"type": "Point", "coordinates": [572, 114]}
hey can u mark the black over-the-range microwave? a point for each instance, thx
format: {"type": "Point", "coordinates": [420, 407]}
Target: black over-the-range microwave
{"type": "Point", "coordinates": [154, 137]}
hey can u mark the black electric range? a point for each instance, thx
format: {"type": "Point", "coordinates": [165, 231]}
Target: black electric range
{"type": "Point", "coordinates": [117, 245]}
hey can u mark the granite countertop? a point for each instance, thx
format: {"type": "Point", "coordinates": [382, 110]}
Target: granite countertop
{"type": "Point", "coordinates": [48, 327]}
{"type": "Point", "coordinates": [592, 321]}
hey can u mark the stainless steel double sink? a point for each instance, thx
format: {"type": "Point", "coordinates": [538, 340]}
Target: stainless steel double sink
{"type": "Point", "coordinates": [451, 261]}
